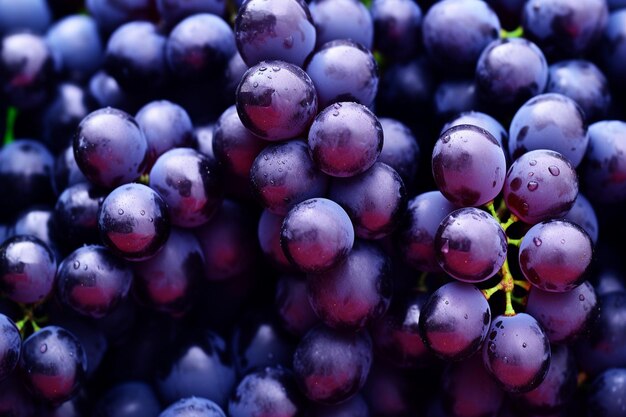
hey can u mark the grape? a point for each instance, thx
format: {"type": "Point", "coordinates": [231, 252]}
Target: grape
{"type": "Point", "coordinates": [375, 200]}
{"type": "Point", "coordinates": [345, 139]}
{"type": "Point", "coordinates": [555, 255]}
{"type": "Point", "coordinates": [27, 269]}
{"type": "Point", "coordinates": [271, 391]}
{"type": "Point", "coordinates": [397, 27]}
{"type": "Point", "coordinates": [10, 346]}
{"type": "Point", "coordinates": [126, 399]}
{"type": "Point", "coordinates": [92, 281]}
{"type": "Point", "coordinates": [317, 235]}
{"type": "Point", "coordinates": [268, 31]}
{"type": "Point", "coordinates": [613, 48]}
{"type": "Point", "coordinates": [37, 222]}
{"type": "Point", "coordinates": [53, 364]}
{"type": "Point", "coordinates": [482, 120]}
{"type": "Point", "coordinates": [193, 407]}
{"type": "Point", "coordinates": [292, 305]}
{"type": "Point", "coordinates": [268, 234]}
{"type": "Point", "coordinates": [583, 214]}
{"type": "Point", "coordinates": [342, 19]}
{"type": "Point", "coordinates": [454, 321]}
{"type": "Point", "coordinates": [540, 185]}
{"type": "Point", "coordinates": [28, 14]}
{"type": "Point", "coordinates": [400, 149]}
{"type": "Point", "coordinates": [330, 366]}
{"type": "Point", "coordinates": [470, 245]}
{"type": "Point", "coordinates": [110, 14]}
{"type": "Point", "coordinates": [189, 184]}
{"type": "Point", "coordinates": [110, 148]}
{"type": "Point", "coordinates": [549, 121]}
{"type": "Point", "coordinates": [565, 315]}
{"type": "Point", "coordinates": [134, 222]}
{"type": "Point", "coordinates": [468, 165]}
{"type": "Point", "coordinates": [276, 100]}
{"type": "Point", "coordinates": [516, 352]}
{"type": "Point", "coordinates": [173, 11]}
{"type": "Point", "coordinates": [355, 292]}
{"type": "Point", "coordinates": [608, 391]}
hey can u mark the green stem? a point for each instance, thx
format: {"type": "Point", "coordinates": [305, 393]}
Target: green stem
{"type": "Point", "coordinates": [9, 133]}
{"type": "Point", "coordinates": [511, 220]}
{"type": "Point", "coordinates": [491, 209]}
{"type": "Point", "coordinates": [522, 283]}
{"type": "Point", "coordinates": [491, 291]}
{"type": "Point", "coordinates": [515, 33]}
{"type": "Point", "coordinates": [514, 242]}
{"type": "Point", "coordinates": [421, 282]}
{"type": "Point", "coordinates": [502, 209]}
{"type": "Point", "coordinates": [144, 179]}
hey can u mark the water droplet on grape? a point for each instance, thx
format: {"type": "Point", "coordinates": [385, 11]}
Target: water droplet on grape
{"type": "Point", "coordinates": [76, 264]}
{"type": "Point", "coordinates": [581, 297]}
{"type": "Point", "coordinates": [288, 42]}
{"type": "Point", "coordinates": [525, 207]}
{"type": "Point", "coordinates": [151, 219]}
{"type": "Point", "coordinates": [336, 113]}
{"type": "Point", "coordinates": [43, 348]}
{"type": "Point", "coordinates": [262, 68]}
{"type": "Point", "coordinates": [465, 316]}
{"type": "Point", "coordinates": [532, 185]}
{"type": "Point", "coordinates": [537, 241]}
{"type": "Point", "coordinates": [492, 347]}
{"type": "Point", "coordinates": [447, 302]}
{"type": "Point", "coordinates": [120, 212]}
{"type": "Point", "coordinates": [142, 212]}
{"type": "Point", "coordinates": [562, 241]}
{"type": "Point", "coordinates": [554, 170]}
{"type": "Point", "coordinates": [524, 345]}
{"type": "Point", "coordinates": [445, 139]}
{"type": "Point", "coordinates": [255, 85]}
{"type": "Point", "coordinates": [276, 69]}
{"type": "Point", "coordinates": [533, 163]}
{"type": "Point", "coordinates": [445, 247]}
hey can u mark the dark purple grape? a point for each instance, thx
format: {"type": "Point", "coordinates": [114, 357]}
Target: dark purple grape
{"type": "Point", "coordinates": [468, 165]}
{"type": "Point", "coordinates": [416, 232]}
{"type": "Point", "coordinates": [75, 216]}
{"type": "Point", "coordinates": [34, 15]}
{"type": "Point", "coordinates": [330, 366]}
{"type": "Point", "coordinates": [228, 242]}
{"type": "Point", "coordinates": [470, 245]}
{"type": "Point", "coordinates": [27, 269]}
{"type": "Point", "coordinates": [107, 92]}
{"type": "Point", "coordinates": [92, 281]}
{"type": "Point", "coordinates": [269, 391]}
{"type": "Point", "coordinates": [173, 11]}
{"type": "Point", "coordinates": [37, 222]}
{"type": "Point", "coordinates": [482, 120]}
{"type": "Point", "coordinates": [134, 222]}
{"type": "Point", "coordinates": [564, 316]}
{"type": "Point", "coordinates": [267, 31]}
{"type": "Point", "coordinates": [607, 393]}
{"type": "Point", "coordinates": [284, 175]}
{"type": "Point", "coordinates": [25, 171]}
{"type": "Point", "coordinates": [199, 366]}
{"type": "Point", "coordinates": [342, 70]}
{"type": "Point", "coordinates": [605, 162]}
{"type": "Point", "coordinates": [199, 47]}
{"type": "Point", "coordinates": [564, 28]}
{"type": "Point", "coordinates": [604, 347]}
{"type": "Point", "coordinates": [355, 292]}
{"type": "Point", "coordinates": [517, 352]}
{"type": "Point", "coordinates": [456, 31]}
{"type": "Point", "coordinates": [66, 171]}
{"type": "Point", "coordinates": [190, 185]}
{"type": "Point", "coordinates": [292, 305]}
{"type": "Point", "coordinates": [510, 71]}
{"type": "Point", "coordinates": [400, 149]}
{"type": "Point", "coordinates": [193, 407]}
{"type": "Point", "coordinates": [549, 121]}
{"type": "Point", "coordinates": [203, 140]}
{"type": "Point", "coordinates": [583, 214]}
{"type": "Point", "coordinates": [396, 335]}
{"type": "Point", "coordinates": [584, 83]}
{"type": "Point", "coordinates": [27, 70]}
{"type": "Point", "coordinates": [342, 19]}
{"type": "Point", "coordinates": [375, 200]}
{"type": "Point", "coordinates": [110, 14]}
{"type": "Point", "coordinates": [454, 321]}
{"type": "Point", "coordinates": [613, 49]}
{"type": "Point", "coordinates": [558, 387]}
{"type": "Point", "coordinates": [259, 342]}
{"type": "Point", "coordinates": [166, 125]}
{"type": "Point", "coordinates": [554, 255]}
{"type": "Point", "coordinates": [453, 96]}
{"type": "Point", "coordinates": [268, 234]}
{"type": "Point", "coordinates": [76, 40]}
{"type": "Point", "coordinates": [135, 57]}
{"type": "Point", "coordinates": [110, 148]}
{"type": "Point", "coordinates": [317, 235]}
{"type": "Point", "coordinates": [128, 399]}
{"type": "Point", "coordinates": [276, 100]}
{"type": "Point", "coordinates": [10, 346]}
{"type": "Point", "coordinates": [345, 139]}
{"type": "Point", "coordinates": [53, 364]}
{"type": "Point", "coordinates": [540, 185]}
{"type": "Point", "coordinates": [397, 28]}
{"type": "Point", "coordinates": [469, 391]}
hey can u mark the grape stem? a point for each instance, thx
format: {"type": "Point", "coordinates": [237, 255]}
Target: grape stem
{"type": "Point", "coordinates": [515, 33]}
{"type": "Point", "coordinates": [144, 179]}
{"type": "Point", "coordinates": [421, 282]}
{"type": "Point", "coordinates": [514, 242]}
{"type": "Point", "coordinates": [9, 133]}
{"type": "Point", "coordinates": [29, 318]}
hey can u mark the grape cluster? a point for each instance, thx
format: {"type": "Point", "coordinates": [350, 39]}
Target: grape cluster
{"type": "Point", "coordinates": [281, 208]}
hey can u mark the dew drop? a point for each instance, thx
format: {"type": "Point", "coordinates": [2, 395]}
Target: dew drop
{"type": "Point", "coordinates": [120, 212]}
{"type": "Point", "coordinates": [562, 241]}
{"type": "Point", "coordinates": [533, 163]}
{"type": "Point", "coordinates": [532, 185]}
{"type": "Point", "coordinates": [492, 347]}
{"type": "Point", "coordinates": [43, 348]}
{"type": "Point", "coordinates": [554, 170]}
{"type": "Point", "coordinates": [142, 212]}
{"type": "Point", "coordinates": [262, 68]}
{"type": "Point", "coordinates": [336, 113]}
{"type": "Point", "coordinates": [151, 219]}
{"type": "Point", "coordinates": [465, 316]}
{"type": "Point", "coordinates": [524, 345]}
{"type": "Point", "coordinates": [445, 248]}
{"type": "Point", "coordinates": [581, 297]}
{"type": "Point", "coordinates": [445, 139]}
{"type": "Point", "coordinates": [255, 85]}
{"type": "Point", "coordinates": [76, 264]}
{"type": "Point", "coordinates": [276, 69]}
{"type": "Point", "coordinates": [525, 207]}
{"type": "Point", "coordinates": [447, 302]}
{"type": "Point", "coordinates": [288, 42]}
{"type": "Point", "coordinates": [537, 241]}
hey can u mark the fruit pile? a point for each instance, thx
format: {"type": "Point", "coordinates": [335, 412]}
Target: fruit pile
{"type": "Point", "coordinates": [273, 208]}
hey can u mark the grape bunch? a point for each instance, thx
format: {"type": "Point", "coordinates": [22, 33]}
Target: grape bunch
{"type": "Point", "coordinates": [321, 208]}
